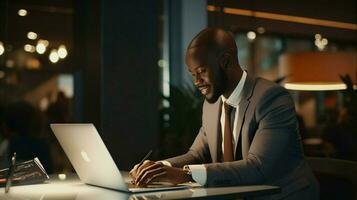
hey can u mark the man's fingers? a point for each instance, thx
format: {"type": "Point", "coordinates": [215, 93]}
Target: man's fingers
{"type": "Point", "coordinates": [160, 172]}
{"type": "Point", "coordinates": [155, 177]}
{"type": "Point", "coordinates": [136, 167]}
{"type": "Point", "coordinates": [144, 170]}
{"type": "Point", "coordinates": [146, 173]}
{"type": "Point", "coordinates": [148, 176]}
{"type": "Point", "coordinates": [140, 167]}
{"type": "Point", "coordinates": [133, 171]}
{"type": "Point", "coordinates": [145, 164]}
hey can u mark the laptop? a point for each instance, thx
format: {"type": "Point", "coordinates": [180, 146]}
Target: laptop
{"type": "Point", "coordinates": [92, 160]}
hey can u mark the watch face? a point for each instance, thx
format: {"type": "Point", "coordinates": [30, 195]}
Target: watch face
{"type": "Point", "coordinates": [187, 169]}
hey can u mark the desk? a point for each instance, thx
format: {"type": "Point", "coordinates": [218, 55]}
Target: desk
{"type": "Point", "coordinates": [73, 189]}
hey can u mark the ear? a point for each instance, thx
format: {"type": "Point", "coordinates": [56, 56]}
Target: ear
{"type": "Point", "coordinates": [225, 61]}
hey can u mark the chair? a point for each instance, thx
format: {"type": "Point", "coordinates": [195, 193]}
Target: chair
{"type": "Point", "coordinates": [337, 178]}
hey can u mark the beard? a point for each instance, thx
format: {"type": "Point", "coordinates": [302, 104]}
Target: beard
{"type": "Point", "coordinates": [217, 86]}
{"type": "Point", "coordinates": [213, 97]}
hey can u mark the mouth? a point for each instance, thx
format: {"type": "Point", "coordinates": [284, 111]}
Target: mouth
{"type": "Point", "coordinates": [204, 89]}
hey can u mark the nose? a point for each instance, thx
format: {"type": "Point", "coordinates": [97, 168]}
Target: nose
{"type": "Point", "coordinates": [197, 80]}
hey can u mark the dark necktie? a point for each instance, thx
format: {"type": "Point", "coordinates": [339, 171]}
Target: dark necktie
{"type": "Point", "coordinates": [228, 155]}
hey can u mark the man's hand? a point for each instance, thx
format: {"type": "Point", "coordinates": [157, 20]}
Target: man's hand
{"type": "Point", "coordinates": [151, 171]}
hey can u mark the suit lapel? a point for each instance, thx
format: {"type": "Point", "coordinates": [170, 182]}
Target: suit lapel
{"type": "Point", "coordinates": [213, 129]}
{"type": "Point", "coordinates": [244, 103]}
{"type": "Point", "coordinates": [241, 115]}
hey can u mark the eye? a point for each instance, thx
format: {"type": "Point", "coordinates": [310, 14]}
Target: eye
{"type": "Point", "coordinates": [201, 70]}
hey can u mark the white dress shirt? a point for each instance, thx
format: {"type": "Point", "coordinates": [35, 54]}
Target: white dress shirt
{"type": "Point", "coordinates": [233, 100]}
{"type": "Point", "coordinates": [199, 172]}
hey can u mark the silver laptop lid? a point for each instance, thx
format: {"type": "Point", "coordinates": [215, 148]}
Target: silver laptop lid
{"type": "Point", "coordinates": [89, 155]}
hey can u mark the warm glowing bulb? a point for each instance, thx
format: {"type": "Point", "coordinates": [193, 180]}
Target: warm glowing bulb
{"type": "Point", "coordinates": [251, 35]}
{"type": "Point", "coordinates": [317, 43]}
{"type": "Point", "coordinates": [22, 12]}
{"type": "Point", "coordinates": [40, 48]}
{"type": "Point", "coordinates": [29, 48]}
{"type": "Point", "coordinates": [62, 51]}
{"type": "Point", "coordinates": [318, 36]}
{"type": "Point", "coordinates": [320, 44]}
{"type": "Point", "coordinates": [32, 35]}
{"type": "Point", "coordinates": [2, 49]}
{"type": "Point", "coordinates": [45, 42]}
{"type": "Point", "coordinates": [324, 41]}
{"type": "Point", "coordinates": [54, 56]}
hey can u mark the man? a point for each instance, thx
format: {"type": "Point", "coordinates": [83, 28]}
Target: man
{"type": "Point", "coordinates": [249, 132]}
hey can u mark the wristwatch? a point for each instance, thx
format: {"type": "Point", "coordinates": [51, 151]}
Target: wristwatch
{"type": "Point", "coordinates": [188, 171]}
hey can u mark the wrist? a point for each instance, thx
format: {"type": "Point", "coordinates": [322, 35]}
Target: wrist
{"type": "Point", "coordinates": [188, 173]}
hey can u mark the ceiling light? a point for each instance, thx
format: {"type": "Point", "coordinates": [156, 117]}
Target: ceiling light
{"type": "Point", "coordinates": [317, 71]}
{"type": "Point", "coordinates": [53, 56]}
{"type": "Point", "coordinates": [318, 36]}
{"type": "Point", "coordinates": [62, 51]}
{"type": "Point", "coordinates": [29, 48]}
{"type": "Point", "coordinates": [315, 86]}
{"type": "Point", "coordinates": [32, 35]}
{"type": "Point", "coordinates": [22, 12]}
{"type": "Point", "coordinates": [251, 35]}
{"type": "Point", "coordinates": [45, 42]}
{"type": "Point", "coordinates": [41, 46]}
{"type": "Point", "coordinates": [319, 45]}
{"type": "Point", "coordinates": [2, 48]}
{"type": "Point", "coordinates": [320, 42]}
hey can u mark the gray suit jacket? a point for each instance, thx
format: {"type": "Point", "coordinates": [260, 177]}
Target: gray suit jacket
{"type": "Point", "coordinates": [271, 144]}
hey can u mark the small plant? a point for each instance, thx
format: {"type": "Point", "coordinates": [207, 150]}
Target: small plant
{"type": "Point", "coordinates": [180, 120]}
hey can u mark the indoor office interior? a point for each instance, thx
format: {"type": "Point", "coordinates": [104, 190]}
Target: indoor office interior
{"type": "Point", "coordinates": [120, 65]}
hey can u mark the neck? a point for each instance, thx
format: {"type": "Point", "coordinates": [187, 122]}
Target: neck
{"type": "Point", "coordinates": [233, 79]}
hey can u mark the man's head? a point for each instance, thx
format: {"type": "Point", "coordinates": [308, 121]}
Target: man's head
{"type": "Point", "coordinates": [212, 60]}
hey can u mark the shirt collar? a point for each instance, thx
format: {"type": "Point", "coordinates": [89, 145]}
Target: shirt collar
{"type": "Point", "coordinates": [235, 97]}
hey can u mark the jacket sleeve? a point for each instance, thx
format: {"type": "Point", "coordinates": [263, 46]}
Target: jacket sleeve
{"type": "Point", "coordinates": [197, 154]}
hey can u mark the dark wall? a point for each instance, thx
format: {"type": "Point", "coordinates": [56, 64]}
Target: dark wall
{"type": "Point", "coordinates": [87, 56]}
{"type": "Point", "coordinates": [130, 78]}
{"type": "Point", "coordinates": [118, 50]}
